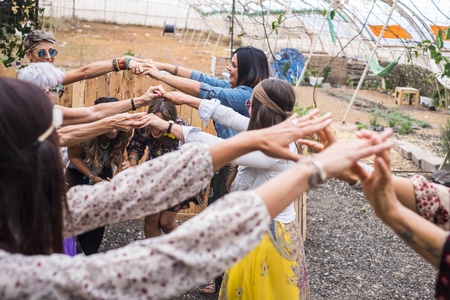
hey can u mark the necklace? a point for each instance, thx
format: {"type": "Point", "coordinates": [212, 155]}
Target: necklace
{"type": "Point", "coordinates": [104, 147]}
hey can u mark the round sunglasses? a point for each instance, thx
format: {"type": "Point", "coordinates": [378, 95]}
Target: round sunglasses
{"type": "Point", "coordinates": [42, 53]}
{"type": "Point", "coordinates": [59, 89]}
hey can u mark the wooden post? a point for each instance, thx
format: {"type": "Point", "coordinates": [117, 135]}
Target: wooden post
{"type": "Point", "coordinates": [90, 91]}
{"type": "Point", "coordinates": [78, 94]}
{"type": "Point", "coordinates": [115, 85]}
{"type": "Point", "coordinates": [103, 86]}
{"type": "Point", "coordinates": [127, 85]}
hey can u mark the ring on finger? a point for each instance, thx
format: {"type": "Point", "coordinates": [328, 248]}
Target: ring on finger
{"type": "Point", "coordinates": [295, 121]}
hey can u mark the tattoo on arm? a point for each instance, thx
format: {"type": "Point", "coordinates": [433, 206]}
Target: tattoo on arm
{"type": "Point", "coordinates": [408, 236]}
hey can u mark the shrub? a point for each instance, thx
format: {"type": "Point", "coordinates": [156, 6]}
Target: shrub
{"type": "Point", "coordinates": [406, 127]}
{"type": "Point", "coordinates": [362, 126]}
{"type": "Point", "coordinates": [374, 118]}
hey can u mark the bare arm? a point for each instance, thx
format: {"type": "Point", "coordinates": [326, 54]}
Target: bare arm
{"type": "Point", "coordinates": [76, 134]}
{"type": "Point", "coordinates": [178, 98]}
{"type": "Point", "coordinates": [185, 85]}
{"type": "Point", "coordinates": [94, 70]}
{"type": "Point", "coordinates": [172, 69]}
{"type": "Point", "coordinates": [423, 236]}
{"type": "Point", "coordinates": [93, 113]}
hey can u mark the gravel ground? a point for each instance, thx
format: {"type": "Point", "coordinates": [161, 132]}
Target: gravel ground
{"type": "Point", "coordinates": [350, 253]}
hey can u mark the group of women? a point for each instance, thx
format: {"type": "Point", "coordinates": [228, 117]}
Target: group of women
{"type": "Point", "coordinates": [251, 232]}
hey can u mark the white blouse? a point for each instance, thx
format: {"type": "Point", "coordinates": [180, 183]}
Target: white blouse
{"type": "Point", "coordinates": [156, 268]}
{"type": "Point", "coordinates": [254, 168]}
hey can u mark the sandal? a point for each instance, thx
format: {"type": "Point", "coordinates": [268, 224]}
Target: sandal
{"type": "Point", "coordinates": [209, 289]}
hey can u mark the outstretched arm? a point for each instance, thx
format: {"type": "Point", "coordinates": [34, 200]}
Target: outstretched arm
{"type": "Point", "coordinates": [76, 134]}
{"type": "Point", "coordinates": [183, 84]}
{"type": "Point", "coordinates": [96, 69]}
{"type": "Point", "coordinates": [93, 113]}
{"type": "Point", "coordinates": [424, 237]}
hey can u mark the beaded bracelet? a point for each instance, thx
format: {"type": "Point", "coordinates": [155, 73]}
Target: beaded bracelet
{"type": "Point", "coordinates": [127, 63]}
{"type": "Point", "coordinates": [92, 178]}
{"type": "Point", "coordinates": [133, 107]}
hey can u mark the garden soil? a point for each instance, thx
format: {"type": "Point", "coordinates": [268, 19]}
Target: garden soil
{"type": "Point", "coordinates": [349, 252]}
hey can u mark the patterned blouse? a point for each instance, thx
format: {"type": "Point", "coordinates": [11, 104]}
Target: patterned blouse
{"type": "Point", "coordinates": [433, 203]}
{"type": "Point", "coordinates": [139, 142]}
{"type": "Point", "coordinates": [154, 268]}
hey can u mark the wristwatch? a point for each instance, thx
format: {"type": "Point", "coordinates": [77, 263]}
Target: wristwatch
{"type": "Point", "coordinates": [170, 126]}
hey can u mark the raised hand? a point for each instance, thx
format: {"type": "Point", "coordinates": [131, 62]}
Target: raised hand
{"type": "Point", "coordinates": [276, 139]}
{"type": "Point", "coordinates": [152, 93]}
{"type": "Point", "coordinates": [151, 70]}
{"type": "Point", "coordinates": [126, 121]}
{"type": "Point", "coordinates": [343, 155]}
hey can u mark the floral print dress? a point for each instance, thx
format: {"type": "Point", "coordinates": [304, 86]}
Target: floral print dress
{"type": "Point", "coordinates": [433, 203]}
{"type": "Point", "coordinates": [156, 268]}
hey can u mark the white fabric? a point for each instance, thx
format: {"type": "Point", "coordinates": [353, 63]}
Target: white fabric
{"type": "Point", "coordinates": [157, 268]}
{"type": "Point", "coordinates": [254, 168]}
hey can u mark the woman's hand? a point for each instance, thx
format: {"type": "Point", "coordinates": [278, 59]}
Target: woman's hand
{"type": "Point", "coordinates": [378, 187]}
{"type": "Point", "coordinates": [152, 93]}
{"type": "Point", "coordinates": [343, 155]}
{"type": "Point", "coordinates": [152, 71]}
{"type": "Point", "coordinates": [177, 98]}
{"type": "Point", "coordinates": [136, 67]}
{"type": "Point", "coordinates": [154, 122]}
{"type": "Point", "coordinates": [276, 139]}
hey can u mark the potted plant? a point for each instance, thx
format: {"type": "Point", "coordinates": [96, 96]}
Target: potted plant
{"type": "Point", "coordinates": [314, 79]}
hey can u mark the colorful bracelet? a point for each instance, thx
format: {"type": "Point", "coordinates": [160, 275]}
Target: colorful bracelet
{"type": "Point", "coordinates": [127, 63]}
{"type": "Point", "coordinates": [122, 63]}
{"type": "Point", "coordinates": [92, 178]}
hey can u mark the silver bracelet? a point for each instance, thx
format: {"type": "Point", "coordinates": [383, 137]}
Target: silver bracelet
{"type": "Point", "coordinates": [318, 174]}
{"type": "Point", "coordinates": [135, 157]}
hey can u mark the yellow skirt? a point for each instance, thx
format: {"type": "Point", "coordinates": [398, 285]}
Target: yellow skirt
{"type": "Point", "coordinates": [275, 269]}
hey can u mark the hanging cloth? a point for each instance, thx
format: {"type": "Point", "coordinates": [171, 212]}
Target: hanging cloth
{"type": "Point", "coordinates": [383, 71]}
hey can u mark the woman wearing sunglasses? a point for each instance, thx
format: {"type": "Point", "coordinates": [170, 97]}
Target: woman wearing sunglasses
{"type": "Point", "coordinates": [39, 47]}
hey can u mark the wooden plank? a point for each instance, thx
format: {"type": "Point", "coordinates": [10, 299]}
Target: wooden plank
{"type": "Point", "coordinates": [186, 114]}
{"type": "Point", "coordinates": [115, 84]}
{"type": "Point", "coordinates": [78, 94]}
{"type": "Point", "coordinates": [10, 72]}
{"type": "Point", "coordinates": [66, 99]}
{"type": "Point", "coordinates": [103, 86]}
{"type": "Point", "coordinates": [127, 85]}
{"type": "Point", "coordinates": [2, 70]}
{"type": "Point", "coordinates": [182, 216]}
{"type": "Point", "coordinates": [139, 89]}
{"type": "Point", "coordinates": [90, 91]}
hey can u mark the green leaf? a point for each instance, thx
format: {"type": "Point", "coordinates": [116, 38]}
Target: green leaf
{"type": "Point", "coordinates": [416, 53]}
{"type": "Point", "coordinates": [324, 12]}
{"type": "Point", "coordinates": [447, 33]}
{"type": "Point", "coordinates": [432, 54]}
{"type": "Point", "coordinates": [332, 14]}
{"type": "Point", "coordinates": [438, 60]}
{"type": "Point", "coordinates": [432, 47]}
{"type": "Point", "coordinates": [447, 60]}
{"type": "Point", "coordinates": [280, 17]}
{"type": "Point", "coordinates": [439, 41]}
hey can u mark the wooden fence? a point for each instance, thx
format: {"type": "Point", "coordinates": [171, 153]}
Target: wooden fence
{"type": "Point", "coordinates": [127, 85]}
{"type": "Point", "coordinates": [122, 86]}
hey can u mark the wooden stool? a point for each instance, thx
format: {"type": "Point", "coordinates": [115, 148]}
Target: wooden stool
{"type": "Point", "coordinates": [412, 93]}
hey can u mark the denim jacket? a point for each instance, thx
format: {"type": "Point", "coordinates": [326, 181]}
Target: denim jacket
{"type": "Point", "coordinates": [214, 88]}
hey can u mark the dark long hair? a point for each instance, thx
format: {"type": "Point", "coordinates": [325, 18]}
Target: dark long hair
{"type": "Point", "coordinates": [252, 66]}
{"type": "Point", "coordinates": [94, 152]}
{"type": "Point", "coordinates": [283, 95]}
{"type": "Point", "coordinates": [32, 192]}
